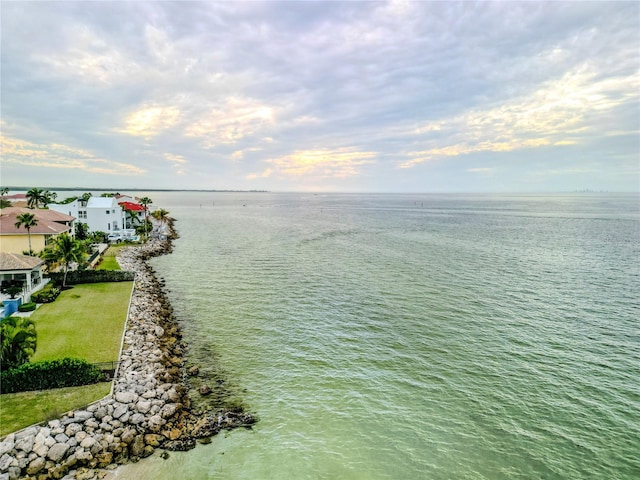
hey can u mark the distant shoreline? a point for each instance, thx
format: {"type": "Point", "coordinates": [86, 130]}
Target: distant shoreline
{"type": "Point", "coordinates": [92, 189]}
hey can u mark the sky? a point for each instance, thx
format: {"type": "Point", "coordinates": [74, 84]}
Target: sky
{"type": "Point", "coordinates": [321, 96]}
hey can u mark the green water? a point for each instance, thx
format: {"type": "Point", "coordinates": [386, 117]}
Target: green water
{"type": "Point", "coordinates": [411, 336]}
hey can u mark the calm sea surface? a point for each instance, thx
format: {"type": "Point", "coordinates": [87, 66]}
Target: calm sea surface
{"type": "Point", "coordinates": [411, 336]}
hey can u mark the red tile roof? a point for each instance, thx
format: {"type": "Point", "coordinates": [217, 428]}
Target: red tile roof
{"type": "Point", "coordinates": [134, 207]}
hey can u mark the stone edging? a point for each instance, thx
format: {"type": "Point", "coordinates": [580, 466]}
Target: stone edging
{"type": "Point", "coordinates": [148, 408]}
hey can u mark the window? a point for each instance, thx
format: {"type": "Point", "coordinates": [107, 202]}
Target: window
{"type": "Point", "coordinates": [108, 226]}
{"type": "Point", "coordinates": [108, 212]}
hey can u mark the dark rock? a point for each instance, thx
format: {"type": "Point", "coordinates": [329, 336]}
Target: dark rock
{"type": "Point", "coordinates": [181, 445]}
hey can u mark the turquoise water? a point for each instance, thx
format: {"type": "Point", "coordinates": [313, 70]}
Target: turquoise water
{"type": "Point", "coordinates": [411, 336]}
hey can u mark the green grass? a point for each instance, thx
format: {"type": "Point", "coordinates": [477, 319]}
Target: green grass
{"type": "Point", "coordinates": [109, 261]}
{"type": "Point", "coordinates": [19, 410]}
{"type": "Point", "coordinates": [85, 321]}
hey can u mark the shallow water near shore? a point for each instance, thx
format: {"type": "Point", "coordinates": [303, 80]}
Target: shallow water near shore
{"type": "Point", "coordinates": [411, 336]}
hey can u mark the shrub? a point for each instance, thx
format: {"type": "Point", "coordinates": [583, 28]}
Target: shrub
{"type": "Point", "coordinates": [63, 372]}
{"type": "Point", "coordinates": [93, 276]}
{"type": "Point", "coordinates": [47, 295]}
{"type": "Point", "coordinates": [27, 307]}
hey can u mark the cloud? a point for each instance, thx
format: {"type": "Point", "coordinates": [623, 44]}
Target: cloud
{"type": "Point", "coordinates": [559, 113]}
{"type": "Point", "coordinates": [238, 92]}
{"type": "Point", "coordinates": [231, 121]}
{"type": "Point", "coordinates": [57, 156]}
{"type": "Point", "coordinates": [322, 163]}
{"type": "Point", "coordinates": [178, 162]}
{"type": "Point", "coordinates": [149, 121]}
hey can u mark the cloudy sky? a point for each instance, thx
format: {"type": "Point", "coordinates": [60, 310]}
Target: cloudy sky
{"type": "Point", "coordinates": [322, 96]}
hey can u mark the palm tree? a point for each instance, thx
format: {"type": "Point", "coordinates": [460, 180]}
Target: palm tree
{"type": "Point", "coordinates": [35, 197]}
{"type": "Point", "coordinates": [84, 198]}
{"type": "Point", "coordinates": [18, 341]}
{"type": "Point", "coordinates": [3, 201]}
{"type": "Point", "coordinates": [66, 250]}
{"type": "Point", "coordinates": [130, 218]}
{"type": "Point", "coordinates": [161, 215]}
{"type": "Point", "coordinates": [48, 197]}
{"type": "Point", "coordinates": [145, 202]}
{"type": "Point", "coordinates": [27, 220]}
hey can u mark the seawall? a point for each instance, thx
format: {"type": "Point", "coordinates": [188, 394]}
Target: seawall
{"type": "Point", "coordinates": [148, 409]}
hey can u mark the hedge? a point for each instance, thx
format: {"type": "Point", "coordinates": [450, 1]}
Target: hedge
{"type": "Point", "coordinates": [46, 295]}
{"type": "Point", "coordinates": [92, 276]}
{"type": "Point", "coordinates": [27, 307]}
{"type": "Point", "coordinates": [62, 372]}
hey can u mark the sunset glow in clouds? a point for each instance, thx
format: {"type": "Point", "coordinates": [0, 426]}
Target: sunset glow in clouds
{"type": "Point", "coordinates": [353, 96]}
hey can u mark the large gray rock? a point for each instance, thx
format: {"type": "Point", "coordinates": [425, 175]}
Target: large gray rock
{"type": "Point", "coordinates": [72, 429]}
{"type": "Point", "coordinates": [126, 397]}
{"type": "Point", "coordinates": [143, 406]}
{"type": "Point", "coordinates": [5, 461]}
{"type": "Point", "coordinates": [40, 449]}
{"type": "Point", "coordinates": [156, 422]}
{"type": "Point", "coordinates": [100, 413]}
{"type": "Point", "coordinates": [7, 445]}
{"type": "Point", "coordinates": [25, 444]}
{"type": "Point", "coordinates": [57, 451]}
{"type": "Point", "coordinates": [88, 443]}
{"type": "Point", "coordinates": [35, 466]}
{"type": "Point", "coordinates": [80, 416]}
{"type": "Point", "coordinates": [119, 411]}
{"type": "Point", "coordinates": [136, 419]}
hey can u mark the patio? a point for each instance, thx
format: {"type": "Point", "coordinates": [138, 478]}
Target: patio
{"type": "Point", "coordinates": [21, 271]}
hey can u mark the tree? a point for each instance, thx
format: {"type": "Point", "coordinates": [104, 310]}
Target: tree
{"type": "Point", "coordinates": [18, 341]}
{"type": "Point", "coordinates": [12, 290]}
{"type": "Point", "coordinates": [49, 197]}
{"type": "Point", "coordinates": [27, 220]}
{"type": "Point", "coordinates": [84, 198]}
{"type": "Point", "coordinates": [3, 201]}
{"type": "Point", "coordinates": [82, 231]}
{"type": "Point", "coordinates": [35, 198]}
{"type": "Point", "coordinates": [98, 237]}
{"type": "Point", "coordinates": [161, 215]}
{"type": "Point", "coordinates": [66, 250]}
{"type": "Point", "coordinates": [130, 217]}
{"type": "Point", "coordinates": [145, 202]}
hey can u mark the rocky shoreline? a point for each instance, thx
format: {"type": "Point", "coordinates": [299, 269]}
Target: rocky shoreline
{"type": "Point", "coordinates": [149, 407]}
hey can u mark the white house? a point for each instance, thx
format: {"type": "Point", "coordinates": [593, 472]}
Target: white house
{"type": "Point", "coordinates": [101, 214]}
{"type": "Point", "coordinates": [23, 271]}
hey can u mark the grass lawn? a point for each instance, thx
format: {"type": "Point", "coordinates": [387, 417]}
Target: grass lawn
{"type": "Point", "coordinates": [85, 321]}
{"type": "Point", "coordinates": [109, 261]}
{"type": "Point", "coordinates": [19, 410]}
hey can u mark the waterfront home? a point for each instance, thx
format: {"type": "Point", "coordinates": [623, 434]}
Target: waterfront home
{"type": "Point", "coordinates": [100, 214]}
{"type": "Point", "coordinates": [16, 239]}
{"type": "Point", "coordinates": [23, 271]}
{"type": "Point", "coordinates": [134, 213]}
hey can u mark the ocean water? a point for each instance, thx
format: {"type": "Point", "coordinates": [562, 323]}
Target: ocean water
{"type": "Point", "coordinates": [411, 336]}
